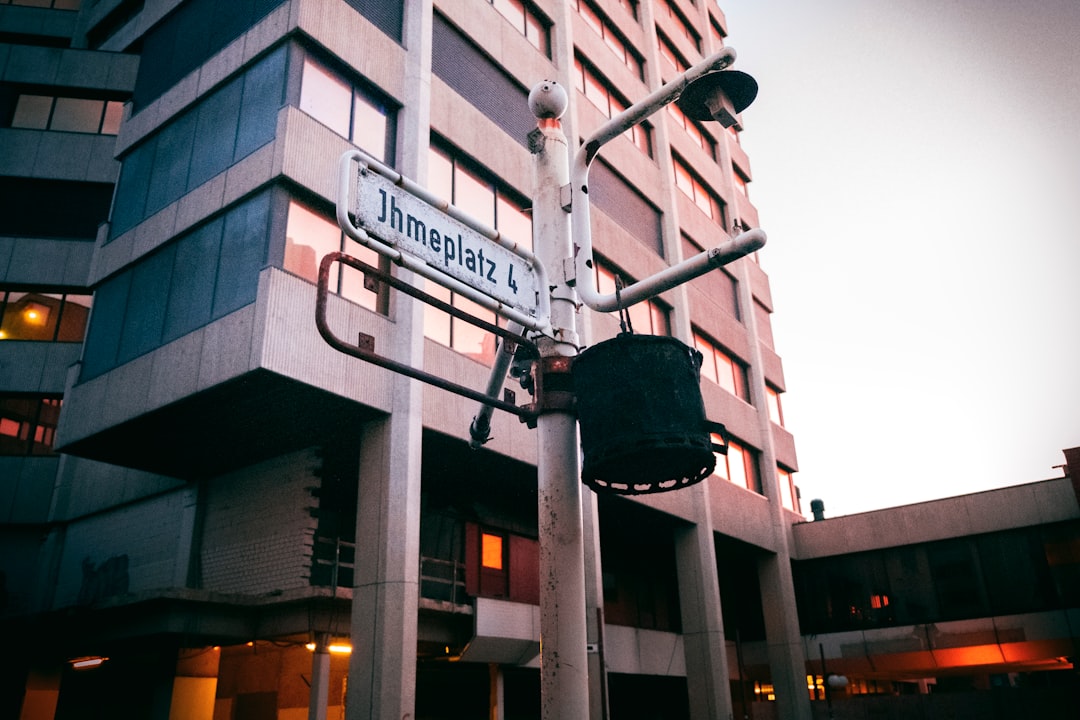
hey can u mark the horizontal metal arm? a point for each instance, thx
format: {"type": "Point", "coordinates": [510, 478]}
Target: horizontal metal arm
{"type": "Point", "coordinates": [358, 351]}
{"type": "Point", "coordinates": [675, 275]}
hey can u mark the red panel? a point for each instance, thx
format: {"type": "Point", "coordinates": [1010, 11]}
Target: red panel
{"type": "Point", "coordinates": [524, 570]}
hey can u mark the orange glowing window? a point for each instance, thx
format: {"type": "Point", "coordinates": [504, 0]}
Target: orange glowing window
{"type": "Point", "coordinates": [491, 551]}
{"type": "Point", "coordinates": [879, 601]}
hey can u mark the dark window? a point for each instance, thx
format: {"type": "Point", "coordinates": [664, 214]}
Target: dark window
{"type": "Point", "coordinates": [221, 130]}
{"type": "Point", "coordinates": [625, 205]}
{"type": "Point", "coordinates": [465, 68]}
{"type": "Point", "coordinates": [383, 14]}
{"type": "Point", "coordinates": [201, 277]}
{"type": "Point", "coordinates": [53, 208]}
{"type": "Point", "coordinates": [28, 424]}
{"type": "Point", "coordinates": [188, 38]}
{"type": "Point", "coordinates": [640, 581]}
{"type": "Point", "coordinates": [1008, 572]}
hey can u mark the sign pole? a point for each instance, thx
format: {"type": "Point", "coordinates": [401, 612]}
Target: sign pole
{"type": "Point", "coordinates": [564, 676]}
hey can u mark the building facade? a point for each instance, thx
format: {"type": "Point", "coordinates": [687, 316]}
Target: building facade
{"type": "Point", "coordinates": [204, 501]}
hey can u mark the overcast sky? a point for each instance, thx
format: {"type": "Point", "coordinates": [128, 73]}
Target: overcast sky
{"type": "Point", "coordinates": [916, 166]}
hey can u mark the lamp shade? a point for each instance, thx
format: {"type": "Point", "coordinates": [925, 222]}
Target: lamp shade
{"type": "Point", "coordinates": [701, 96]}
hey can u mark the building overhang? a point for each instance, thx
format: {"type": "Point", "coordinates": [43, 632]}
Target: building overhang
{"type": "Point", "coordinates": [241, 421]}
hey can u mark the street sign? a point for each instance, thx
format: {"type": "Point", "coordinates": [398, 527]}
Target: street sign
{"type": "Point", "coordinates": [411, 224]}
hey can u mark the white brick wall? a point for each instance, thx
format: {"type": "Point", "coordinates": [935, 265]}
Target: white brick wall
{"type": "Point", "coordinates": [258, 528]}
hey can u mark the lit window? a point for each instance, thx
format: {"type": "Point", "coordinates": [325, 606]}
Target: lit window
{"type": "Point", "coordinates": [681, 23]}
{"type": "Point", "coordinates": [596, 90]}
{"type": "Point", "coordinates": [485, 200]}
{"type": "Point", "coordinates": [669, 53]}
{"type": "Point", "coordinates": [648, 317]}
{"type": "Point", "coordinates": [527, 20]}
{"type": "Point", "coordinates": [699, 192]}
{"type": "Point", "coordinates": [719, 367]}
{"type": "Point", "coordinates": [615, 42]}
{"type": "Point", "coordinates": [348, 110]}
{"type": "Point", "coordinates": [491, 551]}
{"type": "Point", "coordinates": [28, 424]}
{"type": "Point", "coordinates": [67, 114]}
{"type": "Point", "coordinates": [788, 496]}
{"type": "Point", "coordinates": [741, 183]}
{"type": "Point", "coordinates": [309, 237]}
{"type": "Point", "coordinates": [48, 317]}
{"type": "Point", "coordinates": [739, 466]}
{"type": "Point", "coordinates": [692, 129]}
{"type": "Point", "coordinates": [773, 398]}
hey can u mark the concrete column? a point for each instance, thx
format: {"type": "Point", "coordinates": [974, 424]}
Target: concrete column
{"type": "Point", "coordinates": [703, 625]}
{"type": "Point", "coordinates": [787, 660]}
{"type": "Point", "coordinates": [382, 667]}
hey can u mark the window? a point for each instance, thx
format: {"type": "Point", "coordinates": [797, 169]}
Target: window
{"type": "Point", "coordinates": [741, 182]}
{"type": "Point", "coordinates": [67, 114]}
{"type": "Point", "coordinates": [225, 127]}
{"type": "Point", "coordinates": [717, 34]}
{"type": "Point", "coordinates": [684, 26]}
{"type": "Point", "coordinates": [648, 317]}
{"type": "Point", "coordinates": [719, 367]}
{"type": "Point", "coordinates": [58, 209]}
{"type": "Point", "coordinates": [309, 237]}
{"type": "Point", "coordinates": [696, 189]}
{"type": "Point", "coordinates": [739, 466]}
{"type": "Point", "coordinates": [348, 110]}
{"type": "Point", "coordinates": [49, 317]}
{"type": "Point", "coordinates": [612, 37]}
{"type": "Point", "coordinates": [458, 62]}
{"type": "Point", "coordinates": [694, 130]}
{"type": "Point", "coordinates": [619, 200]}
{"type": "Point", "coordinates": [54, 4]}
{"type": "Point", "coordinates": [772, 396]}
{"type": "Point", "coordinates": [491, 551]}
{"type": "Point", "coordinates": [669, 53]}
{"type": "Point", "coordinates": [28, 424]}
{"type": "Point", "coordinates": [188, 37]}
{"type": "Point", "coordinates": [719, 287]}
{"type": "Point", "coordinates": [528, 21]}
{"type": "Point", "coordinates": [486, 200]}
{"type": "Point", "coordinates": [789, 495]}
{"type": "Point", "coordinates": [596, 89]}
{"type": "Point", "coordinates": [204, 275]}
{"type": "Point", "coordinates": [630, 6]}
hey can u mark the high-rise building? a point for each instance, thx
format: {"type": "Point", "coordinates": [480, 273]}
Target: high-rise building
{"type": "Point", "coordinates": [207, 508]}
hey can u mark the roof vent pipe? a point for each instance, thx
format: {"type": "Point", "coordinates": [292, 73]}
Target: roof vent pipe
{"type": "Point", "coordinates": [817, 508]}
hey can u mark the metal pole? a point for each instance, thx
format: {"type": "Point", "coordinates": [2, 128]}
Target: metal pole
{"type": "Point", "coordinates": [825, 680]}
{"type": "Point", "coordinates": [320, 678]}
{"type": "Point", "coordinates": [564, 678]}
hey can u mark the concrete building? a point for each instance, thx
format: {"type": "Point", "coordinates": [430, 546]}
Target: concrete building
{"type": "Point", "coordinates": [196, 487]}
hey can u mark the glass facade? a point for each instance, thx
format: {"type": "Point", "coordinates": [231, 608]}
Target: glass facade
{"type": "Point", "coordinates": [1004, 573]}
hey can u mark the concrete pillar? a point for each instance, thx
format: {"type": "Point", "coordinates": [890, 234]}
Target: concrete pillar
{"type": "Point", "coordinates": [382, 667]}
{"type": "Point", "coordinates": [787, 660]}
{"type": "Point", "coordinates": [703, 626]}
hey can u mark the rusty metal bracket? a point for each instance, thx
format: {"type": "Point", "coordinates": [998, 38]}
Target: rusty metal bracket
{"type": "Point", "coordinates": [364, 349]}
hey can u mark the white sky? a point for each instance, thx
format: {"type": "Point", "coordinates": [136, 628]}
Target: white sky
{"type": "Point", "coordinates": [917, 169]}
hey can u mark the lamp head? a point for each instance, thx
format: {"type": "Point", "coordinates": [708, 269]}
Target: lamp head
{"type": "Point", "coordinates": [719, 96]}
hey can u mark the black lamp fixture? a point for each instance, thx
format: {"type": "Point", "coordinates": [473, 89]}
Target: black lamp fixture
{"type": "Point", "coordinates": [719, 96]}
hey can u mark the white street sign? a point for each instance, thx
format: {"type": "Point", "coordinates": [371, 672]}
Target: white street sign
{"type": "Point", "coordinates": [413, 226]}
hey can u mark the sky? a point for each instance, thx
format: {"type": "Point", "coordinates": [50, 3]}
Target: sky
{"type": "Point", "coordinates": [916, 166]}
